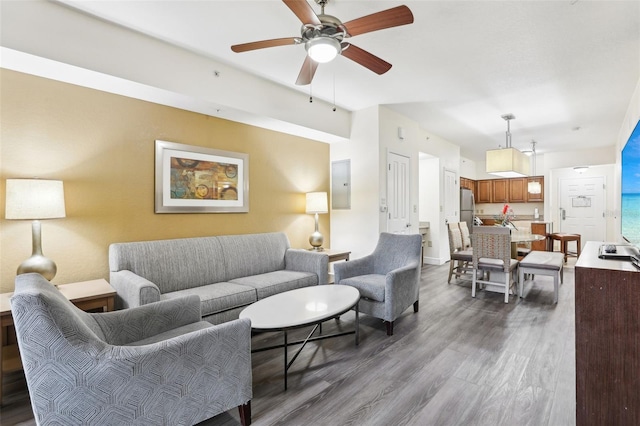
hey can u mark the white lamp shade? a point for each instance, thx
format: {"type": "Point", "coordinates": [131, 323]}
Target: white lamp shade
{"type": "Point", "coordinates": [323, 49]}
{"type": "Point", "coordinates": [34, 199]}
{"type": "Point", "coordinates": [317, 202]}
{"type": "Point", "coordinates": [507, 162]}
{"type": "Point", "coordinates": [534, 188]}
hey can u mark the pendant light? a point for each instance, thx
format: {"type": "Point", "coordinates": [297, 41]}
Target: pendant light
{"type": "Point", "coordinates": [534, 187]}
{"type": "Point", "coordinates": [508, 161]}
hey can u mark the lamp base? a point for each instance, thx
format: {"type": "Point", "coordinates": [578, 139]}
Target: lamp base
{"type": "Point", "coordinates": [316, 239]}
{"type": "Point", "coordinates": [39, 264]}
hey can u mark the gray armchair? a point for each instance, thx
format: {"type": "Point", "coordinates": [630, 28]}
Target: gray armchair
{"type": "Point", "coordinates": [155, 364]}
{"type": "Point", "coordinates": [388, 279]}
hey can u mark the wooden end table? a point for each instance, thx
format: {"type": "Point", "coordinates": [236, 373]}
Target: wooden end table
{"type": "Point", "coordinates": [87, 295]}
{"type": "Point", "coordinates": [335, 256]}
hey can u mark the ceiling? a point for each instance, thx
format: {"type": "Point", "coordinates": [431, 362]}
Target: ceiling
{"type": "Point", "coordinates": [565, 68]}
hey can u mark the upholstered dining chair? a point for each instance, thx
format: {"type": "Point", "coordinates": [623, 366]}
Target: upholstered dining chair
{"type": "Point", "coordinates": [466, 237]}
{"type": "Point", "coordinates": [158, 364]}
{"type": "Point", "coordinates": [460, 262]}
{"type": "Point", "coordinates": [492, 255]}
{"type": "Point", "coordinates": [388, 279]}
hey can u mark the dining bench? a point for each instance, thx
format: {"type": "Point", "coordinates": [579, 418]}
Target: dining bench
{"type": "Point", "coordinates": [542, 263]}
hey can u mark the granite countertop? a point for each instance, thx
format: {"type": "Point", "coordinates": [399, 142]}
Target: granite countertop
{"type": "Point", "coordinates": [518, 217]}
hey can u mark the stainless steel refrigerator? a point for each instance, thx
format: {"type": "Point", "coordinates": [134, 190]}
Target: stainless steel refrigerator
{"type": "Point", "coordinates": [467, 207]}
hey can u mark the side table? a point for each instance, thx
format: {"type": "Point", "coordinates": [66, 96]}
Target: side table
{"type": "Point", "coordinates": [334, 256]}
{"type": "Point", "coordinates": [86, 295]}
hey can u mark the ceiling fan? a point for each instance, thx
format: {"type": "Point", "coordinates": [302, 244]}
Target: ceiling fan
{"type": "Point", "coordinates": [323, 37]}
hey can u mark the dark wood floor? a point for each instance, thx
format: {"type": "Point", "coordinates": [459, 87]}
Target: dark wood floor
{"type": "Point", "coordinates": [459, 361]}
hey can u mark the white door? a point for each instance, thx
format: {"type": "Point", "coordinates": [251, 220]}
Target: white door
{"type": "Point", "coordinates": [398, 195]}
{"type": "Point", "coordinates": [451, 196]}
{"type": "Point", "coordinates": [581, 204]}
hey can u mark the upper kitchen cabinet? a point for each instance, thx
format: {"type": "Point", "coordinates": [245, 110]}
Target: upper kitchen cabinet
{"type": "Point", "coordinates": [467, 183]}
{"type": "Point", "coordinates": [535, 198]}
{"type": "Point", "coordinates": [484, 191]}
{"type": "Point", "coordinates": [518, 190]}
{"type": "Point", "coordinates": [500, 190]}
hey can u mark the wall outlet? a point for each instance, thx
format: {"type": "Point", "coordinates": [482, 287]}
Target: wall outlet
{"type": "Point", "coordinates": [429, 244]}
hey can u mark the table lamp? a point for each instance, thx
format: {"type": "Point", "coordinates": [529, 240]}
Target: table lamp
{"type": "Point", "coordinates": [35, 199]}
{"type": "Point", "coordinates": [317, 204]}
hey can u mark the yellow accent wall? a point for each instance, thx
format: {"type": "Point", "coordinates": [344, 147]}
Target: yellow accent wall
{"type": "Point", "coordinates": [103, 147]}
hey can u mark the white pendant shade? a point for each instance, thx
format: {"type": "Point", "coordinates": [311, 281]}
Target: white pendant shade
{"type": "Point", "coordinates": [534, 188]}
{"type": "Point", "coordinates": [507, 162]}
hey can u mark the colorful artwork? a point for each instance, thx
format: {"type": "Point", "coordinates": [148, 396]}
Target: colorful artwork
{"type": "Point", "coordinates": [202, 180]}
{"type": "Point", "coordinates": [193, 179]}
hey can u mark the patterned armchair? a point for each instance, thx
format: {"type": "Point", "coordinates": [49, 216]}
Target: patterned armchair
{"type": "Point", "coordinates": [154, 364]}
{"type": "Point", "coordinates": [388, 279]}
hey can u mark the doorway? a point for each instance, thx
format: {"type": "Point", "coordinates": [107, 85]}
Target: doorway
{"type": "Point", "coordinates": [581, 202]}
{"type": "Point", "coordinates": [398, 195]}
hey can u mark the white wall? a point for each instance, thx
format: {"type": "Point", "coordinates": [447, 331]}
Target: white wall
{"type": "Point", "coordinates": [390, 142]}
{"type": "Point", "coordinates": [356, 229]}
{"type": "Point", "coordinates": [468, 168]}
{"type": "Point", "coordinates": [374, 135]}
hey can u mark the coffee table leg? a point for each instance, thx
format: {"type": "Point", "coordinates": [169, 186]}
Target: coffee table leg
{"type": "Point", "coordinates": [285, 360]}
{"type": "Point", "coordinates": [357, 325]}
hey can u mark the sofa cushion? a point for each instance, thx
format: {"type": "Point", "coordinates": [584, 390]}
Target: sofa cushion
{"type": "Point", "coordinates": [252, 254]}
{"type": "Point", "coordinates": [543, 260]}
{"type": "Point", "coordinates": [276, 282]}
{"type": "Point", "coordinates": [171, 264]}
{"type": "Point", "coordinates": [370, 286]}
{"type": "Point", "coordinates": [218, 297]}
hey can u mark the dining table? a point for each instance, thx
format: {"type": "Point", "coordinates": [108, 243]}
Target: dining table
{"type": "Point", "coordinates": [522, 237]}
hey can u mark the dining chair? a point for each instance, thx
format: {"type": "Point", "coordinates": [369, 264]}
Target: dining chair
{"type": "Point", "coordinates": [466, 237]}
{"type": "Point", "coordinates": [492, 255]}
{"type": "Point", "coordinates": [460, 254]}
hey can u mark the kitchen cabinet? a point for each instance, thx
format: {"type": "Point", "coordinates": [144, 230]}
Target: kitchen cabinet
{"type": "Point", "coordinates": [512, 190]}
{"type": "Point", "coordinates": [484, 191]}
{"type": "Point", "coordinates": [535, 198]}
{"type": "Point", "coordinates": [467, 183]}
{"type": "Point", "coordinates": [517, 190]}
{"type": "Point", "coordinates": [500, 190]}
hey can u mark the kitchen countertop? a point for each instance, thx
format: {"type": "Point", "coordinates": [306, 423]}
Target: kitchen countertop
{"type": "Point", "coordinates": [528, 218]}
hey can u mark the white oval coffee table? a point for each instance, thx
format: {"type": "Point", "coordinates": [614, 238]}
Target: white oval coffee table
{"type": "Point", "coordinates": [300, 308]}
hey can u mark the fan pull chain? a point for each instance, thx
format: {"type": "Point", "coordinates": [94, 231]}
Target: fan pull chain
{"type": "Point", "coordinates": [310, 86]}
{"type": "Point", "coordinates": [334, 90]}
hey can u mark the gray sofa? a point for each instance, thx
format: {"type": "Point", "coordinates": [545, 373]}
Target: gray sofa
{"type": "Point", "coordinates": [226, 272]}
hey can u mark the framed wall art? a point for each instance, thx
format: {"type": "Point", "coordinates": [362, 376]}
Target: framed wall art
{"type": "Point", "coordinates": [194, 179]}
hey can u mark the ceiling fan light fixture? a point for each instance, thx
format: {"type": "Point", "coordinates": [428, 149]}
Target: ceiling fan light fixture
{"type": "Point", "coordinates": [323, 49]}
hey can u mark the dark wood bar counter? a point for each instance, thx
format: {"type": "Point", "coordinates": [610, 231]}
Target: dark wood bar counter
{"type": "Point", "coordinates": [607, 297]}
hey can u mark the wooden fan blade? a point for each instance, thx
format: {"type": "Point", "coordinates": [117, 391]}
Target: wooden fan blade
{"type": "Point", "coordinates": [365, 58]}
{"type": "Point", "coordinates": [307, 72]}
{"type": "Point", "coordinates": [303, 11]}
{"type": "Point", "coordinates": [393, 17]}
{"type": "Point", "coordinates": [262, 44]}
